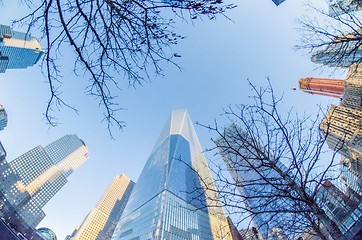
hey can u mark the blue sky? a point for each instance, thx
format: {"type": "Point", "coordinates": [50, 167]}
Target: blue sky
{"type": "Point", "coordinates": [217, 59]}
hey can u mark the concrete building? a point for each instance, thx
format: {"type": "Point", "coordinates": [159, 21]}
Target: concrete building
{"type": "Point", "coordinates": [353, 88]}
{"type": "Point", "coordinates": [342, 128]}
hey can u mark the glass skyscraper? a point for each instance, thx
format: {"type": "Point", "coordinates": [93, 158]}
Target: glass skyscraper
{"type": "Point", "coordinates": [257, 183]}
{"type": "Point", "coordinates": [277, 2]}
{"type": "Point", "coordinates": [3, 118]}
{"type": "Point", "coordinates": [17, 49]}
{"type": "Point", "coordinates": [170, 199]}
{"type": "Point", "coordinates": [43, 172]}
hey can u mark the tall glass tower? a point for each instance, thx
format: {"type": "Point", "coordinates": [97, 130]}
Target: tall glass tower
{"type": "Point", "coordinates": [17, 49]}
{"type": "Point", "coordinates": [175, 197]}
{"type": "Point", "coordinates": [3, 118]}
{"type": "Point", "coordinates": [43, 172]}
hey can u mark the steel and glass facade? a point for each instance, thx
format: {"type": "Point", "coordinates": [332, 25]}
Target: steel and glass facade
{"type": "Point", "coordinates": [253, 181]}
{"type": "Point", "coordinates": [170, 199]}
{"type": "Point", "coordinates": [3, 118]}
{"type": "Point", "coordinates": [43, 172]}
{"type": "Point", "coordinates": [277, 2]}
{"type": "Point", "coordinates": [17, 49]}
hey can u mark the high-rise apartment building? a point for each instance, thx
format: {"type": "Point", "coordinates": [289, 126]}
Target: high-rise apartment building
{"type": "Point", "coordinates": [342, 128]}
{"type": "Point", "coordinates": [3, 118]}
{"type": "Point", "coordinates": [101, 221]}
{"type": "Point", "coordinates": [322, 86]}
{"type": "Point", "coordinates": [17, 49]}
{"type": "Point", "coordinates": [43, 172]}
{"type": "Point", "coordinates": [175, 197]}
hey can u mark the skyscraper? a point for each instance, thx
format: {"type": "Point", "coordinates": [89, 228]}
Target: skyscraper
{"type": "Point", "coordinates": [256, 183]}
{"type": "Point", "coordinates": [322, 86]}
{"type": "Point", "coordinates": [175, 197]}
{"type": "Point", "coordinates": [43, 172]}
{"type": "Point", "coordinates": [342, 128]}
{"type": "Point", "coordinates": [351, 178]}
{"type": "Point", "coordinates": [10, 195]}
{"type": "Point", "coordinates": [343, 51]}
{"type": "Point", "coordinates": [17, 49]}
{"type": "Point", "coordinates": [101, 221]}
{"type": "Point", "coordinates": [353, 88]}
{"type": "Point", "coordinates": [277, 2]}
{"type": "Point", "coordinates": [3, 118]}
{"type": "Point", "coordinates": [339, 7]}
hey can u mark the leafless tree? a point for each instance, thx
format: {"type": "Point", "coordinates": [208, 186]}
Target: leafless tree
{"type": "Point", "coordinates": [333, 36]}
{"type": "Point", "coordinates": [114, 41]}
{"type": "Point", "coordinates": [277, 168]}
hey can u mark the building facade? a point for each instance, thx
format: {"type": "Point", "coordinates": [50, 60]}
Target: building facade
{"type": "Point", "coordinates": [101, 221]}
{"type": "Point", "coordinates": [322, 86]}
{"type": "Point", "coordinates": [175, 197]}
{"type": "Point", "coordinates": [353, 88]}
{"type": "Point", "coordinates": [343, 51]}
{"type": "Point", "coordinates": [270, 209]}
{"type": "Point", "coordinates": [17, 50]}
{"type": "Point", "coordinates": [350, 177]}
{"type": "Point", "coordinates": [43, 172]}
{"type": "Point", "coordinates": [342, 128]}
{"type": "Point", "coordinates": [339, 7]}
{"type": "Point", "coordinates": [3, 118]}
{"type": "Point", "coordinates": [345, 210]}
{"type": "Point", "coordinates": [277, 2]}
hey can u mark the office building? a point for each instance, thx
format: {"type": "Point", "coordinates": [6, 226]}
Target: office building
{"type": "Point", "coordinates": [175, 197]}
{"type": "Point", "coordinates": [340, 7]}
{"type": "Point", "coordinates": [343, 51]}
{"type": "Point", "coordinates": [351, 178]}
{"type": "Point", "coordinates": [354, 166]}
{"type": "Point", "coordinates": [271, 212]}
{"type": "Point", "coordinates": [43, 172]}
{"type": "Point", "coordinates": [277, 2]}
{"type": "Point", "coordinates": [17, 49]}
{"type": "Point", "coordinates": [342, 128]}
{"type": "Point", "coordinates": [345, 210]}
{"type": "Point", "coordinates": [101, 221]}
{"type": "Point", "coordinates": [10, 195]}
{"type": "Point", "coordinates": [322, 86]}
{"type": "Point", "coordinates": [3, 118]}
{"type": "Point", "coordinates": [349, 90]}
{"type": "Point", "coordinates": [353, 88]}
